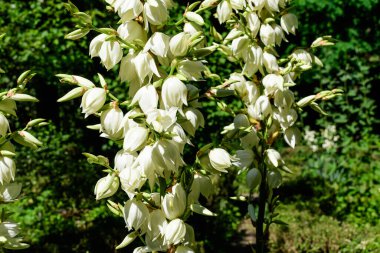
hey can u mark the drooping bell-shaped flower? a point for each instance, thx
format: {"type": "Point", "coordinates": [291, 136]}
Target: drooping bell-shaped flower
{"type": "Point", "coordinates": [179, 44]}
{"type": "Point", "coordinates": [267, 34]}
{"type": "Point", "coordinates": [135, 138]}
{"type": "Point", "coordinates": [4, 125]}
{"type": "Point", "coordinates": [147, 98]}
{"type": "Point", "coordinates": [7, 169]}
{"type": "Point", "coordinates": [174, 93]}
{"type": "Point", "coordinates": [131, 31]}
{"type": "Point", "coordinates": [174, 203]}
{"type": "Point", "coordinates": [220, 159]}
{"type": "Point", "coordinates": [136, 214]}
{"type": "Point", "coordinates": [111, 122]}
{"type": "Point", "coordinates": [93, 100]}
{"type": "Point", "coordinates": [158, 44]}
{"type": "Point", "coordinates": [289, 23]}
{"type": "Point", "coordinates": [224, 11]}
{"type": "Point", "coordinates": [175, 231]}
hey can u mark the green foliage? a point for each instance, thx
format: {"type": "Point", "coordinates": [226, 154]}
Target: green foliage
{"type": "Point", "coordinates": [315, 232]}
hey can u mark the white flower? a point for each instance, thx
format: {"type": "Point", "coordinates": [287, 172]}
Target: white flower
{"type": "Point", "coordinates": [131, 31]}
{"type": "Point", "coordinates": [110, 54]}
{"type": "Point", "coordinates": [175, 231]}
{"type": "Point", "coordinates": [7, 169]}
{"type": "Point", "coordinates": [272, 5]}
{"type": "Point", "coordinates": [4, 125]}
{"type": "Point", "coordinates": [192, 70]}
{"type": "Point", "coordinates": [128, 10]}
{"type": "Point", "coordinates": [286, 117]}
{"type": "Point", "coordinates": [111, 122]}
{"type": "Point", "coordinates": [289, 23]}
{"type": "Point", "coordinates": [272, 83]}
{"type": "Point", "coordinates": [284, 99]}
{"type": "Point", "coordinates": [253, 23]}
{"type": "Point", "coordinates": [220, 159]}
{"type": "Point", "coordinates": [174, 203]}
{"type": "Point", "coordinates": [128, 73]}
{"type": "Point", "coordinates": [9, 192]}
{"type": "Point", "coordinates": [155, 13]}
{"type": "Point", "coordinates": [106, 187]}
{"type": "Point", "coordinates": [96, 44]}
{"type": "Point", "coordinates": [267, 34]}
{"type": "Point", "coordinates": [179, 44]}
{"type": "Point", "coordinates": [135, 138]}
{"type": "Point", "coordinates": [274, 178]}
{"type": "Point", "coordinates": [124, 159]}
{"type": "Point", "coordinates": [145, 66]}
{"type": "Point", "coordinates": [224, 11]}
{"type": "Point", "coordinates": [135, 214]}
{"type": "Point", "coordinates": [156, 224]}
{"type": "Point", "coordinates": [237, 4]}
{"type": "Point", "coordinates": [239, 46]}
{"type": "Point", "coordinates": [274, 158]}
{"type": "Point", "coordinates": [158, 44]}
{"type": "Point", "coordinates": [93, 100]}
{"type": "Point", "coordinates": [174, 93]}
{"type": "Point", "coordinates": [303, 56]}
{"type": "Point", "coordinates": [131, 178]}
{"type": "Point", "coordinates": [195, 120]}
{"type": "Point", "coordinates": [253, 60]}
{"type": "Point", "coordinates": [270, 62]}
{"type": "Point", "coordinates": [261, 109]}
{"type": "Point", "coordinates": [161, 120]}
{"type": "Point", "coordinates": [292, 136]}
{"type": "Point", "coordinates": [147, 98]}
{"type": "Point", "coordinates": [279, 35]}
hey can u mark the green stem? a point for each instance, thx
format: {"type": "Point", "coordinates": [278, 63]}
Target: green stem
{"type": "Point", "coordinates": [261, 241]}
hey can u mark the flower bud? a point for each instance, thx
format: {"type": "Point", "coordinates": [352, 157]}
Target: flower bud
{"type": "Point", "coordinates": [289, 23]}
{"type": "Point", "coordinates": [194, 17]}
{"type": "Point", "coordinates": [111, 121]}
{"type": "Point", "coordinates": [179, 44]}
{"type": "Point", "coordinates": [220, 159]}
{"type": "Point", "coordinates": [74, 93]}
{"type": "Point", "coordinates": [174, 203]}
{"type": "Point", "coordinates": [175, 231]}
{"type": "Point", "coordinates": [106, 187]}
{"type": "Point", "coordinates": [173, 93]}
{"type": "Point", "coordinates": [253, 178]}
{"type": "Point", "coordinates": [93, 100]}
{"type": "Point", "coordinates": [135, 214]}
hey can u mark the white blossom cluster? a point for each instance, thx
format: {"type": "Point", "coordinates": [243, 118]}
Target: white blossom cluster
{"type": "Point", "coordinates": [9, 189]}
{"type": "Point", "coordinates": [160, 113]}
{"type": "Point", "coordinates": [328, 136]}
{"type": "Point", "coordinates": [258, 27]}
{"type": "Point", "coordinates": [153, 123]}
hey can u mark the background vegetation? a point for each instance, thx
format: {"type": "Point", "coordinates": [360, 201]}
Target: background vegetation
{"type": "Point", "coordinates": [331, 202]}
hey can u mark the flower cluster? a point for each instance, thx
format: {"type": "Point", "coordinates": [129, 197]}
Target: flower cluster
{"type": "Point", "coordinates": [157, 116]}
{"type": "Point", "coordinates": [9, 189]}
{"type": "Point", "coordinates": [153, 121]}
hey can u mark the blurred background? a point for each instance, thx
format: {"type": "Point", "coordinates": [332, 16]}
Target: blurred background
{"type": "Point", "coordinates": [331, 202]}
